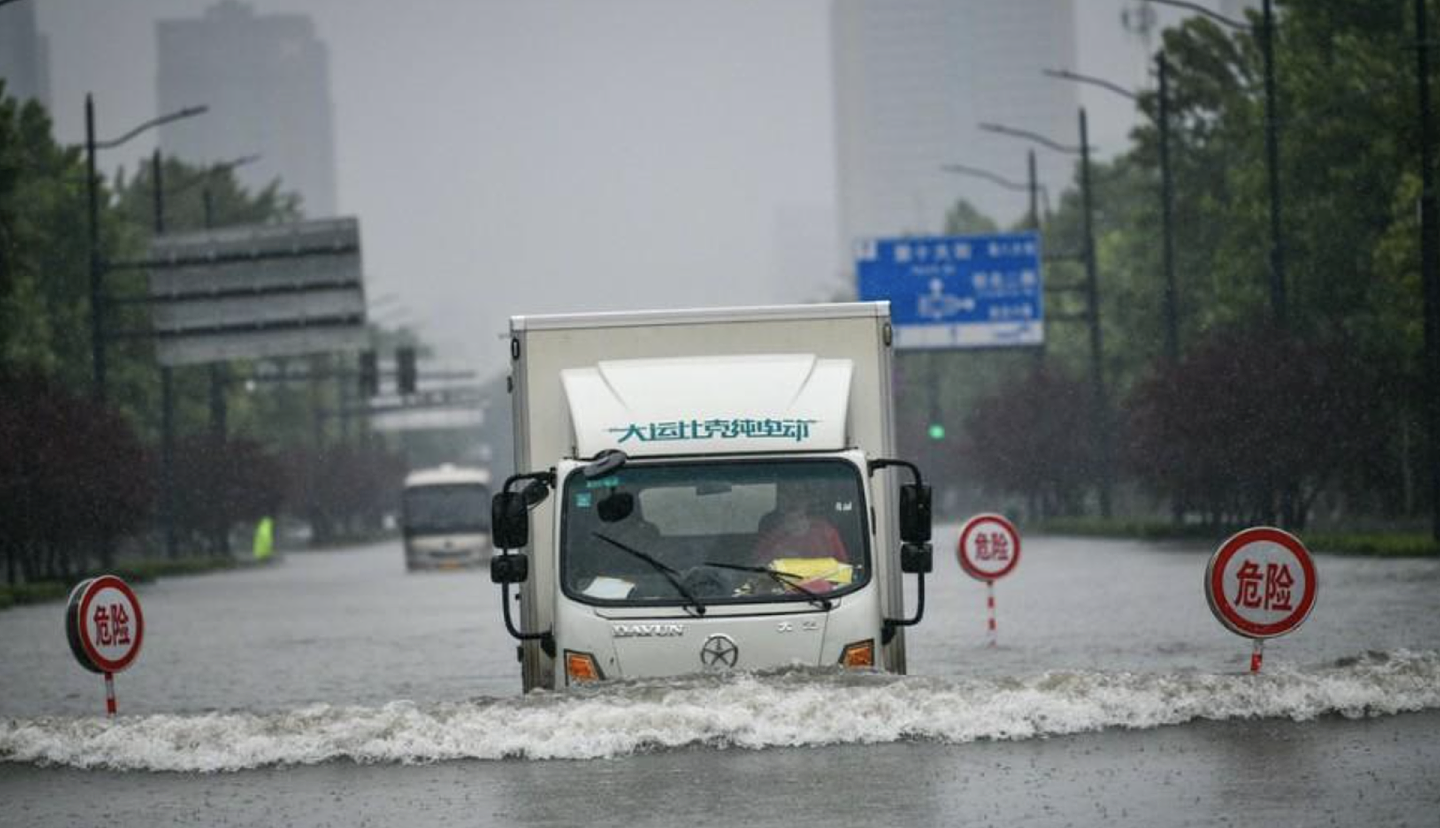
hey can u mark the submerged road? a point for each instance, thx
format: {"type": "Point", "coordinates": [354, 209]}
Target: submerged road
{"type": "Point", "coordinates": [1113, 697]}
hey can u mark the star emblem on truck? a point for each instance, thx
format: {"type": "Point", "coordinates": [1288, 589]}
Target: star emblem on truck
{"type": "Point", "coordinates": [719, 651]}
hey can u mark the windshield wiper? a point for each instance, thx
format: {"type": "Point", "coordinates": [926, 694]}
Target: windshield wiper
{"type": "Point", "coordinates": [782, 578]}
{"type": "Point", "coordinates": [669, 573]}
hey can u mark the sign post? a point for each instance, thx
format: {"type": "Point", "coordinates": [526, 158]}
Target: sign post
{"type": "Point", "coordinates": [989, 549]}
{"type": "Point", "coordinates": [1261, 584]}
{"type": "Point", "coordinates": [105, 628]}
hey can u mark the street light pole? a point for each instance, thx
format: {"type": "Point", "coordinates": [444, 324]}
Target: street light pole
{"type": "Point", "coordinates": [97, 267]}
{"type": "Point", "coordinates": [1034, 184]}
{"type": "Point", "coordinates": [1167, 215]}
{"type": "Point", "coordinates": [1430, 274]}
{"type": "Point", "coordinates": [218, 409]}
{"type": "Point", "coordinates": [1272, 164]}
{"type": "Point", "coordinates": [1033, 187]}
{"type": "Point", "coordinates": [1092, 294]}
{"type": "Point", "coordinates": [1169, 309]}
{"type": "Point", "coordinates": [167, 390]}
{"type": "Point", "coordinates": [97, 310]}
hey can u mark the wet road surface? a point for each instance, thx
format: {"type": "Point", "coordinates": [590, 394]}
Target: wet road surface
{"type": "Point", "coordinates": [303, 663]}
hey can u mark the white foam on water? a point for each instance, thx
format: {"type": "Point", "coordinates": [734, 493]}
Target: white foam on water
{"type": "Point", "coordinates": [786, 709]}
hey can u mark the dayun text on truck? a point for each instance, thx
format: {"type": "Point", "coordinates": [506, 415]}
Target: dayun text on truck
{"type": "Point", "coordinates": [706, 489]}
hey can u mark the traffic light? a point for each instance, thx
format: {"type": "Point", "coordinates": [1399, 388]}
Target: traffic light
{"type": "Point", "coordinates": [369, 374]}
{"type": "Point", "coordinates": [936, 431]}
{"type": "Point", "coordinates": [405, 375]}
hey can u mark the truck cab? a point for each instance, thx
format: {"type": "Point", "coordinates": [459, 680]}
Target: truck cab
{"type": "Point", "coordinates": [706, 502]}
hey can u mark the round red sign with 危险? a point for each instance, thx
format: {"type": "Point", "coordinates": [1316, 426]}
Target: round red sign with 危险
{"type": "Point", "coordinates": [108, 623]}
{"type": "Point", "coordinates": [1261, 583]}
{"type": "Point", "coordinates": [989, 547]}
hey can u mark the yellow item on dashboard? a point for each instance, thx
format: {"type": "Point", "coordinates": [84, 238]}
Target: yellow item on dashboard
{"type": "Point", "coordinates": [814, 569]}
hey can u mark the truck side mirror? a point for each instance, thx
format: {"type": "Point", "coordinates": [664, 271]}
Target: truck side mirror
{"type": "Point", "coordinates": [509, 521]}
{"type": "Point", "coordinates": [915, 513]}
{"type": "Point", "coordinates": [513, 568]}
{"type": "Point", "coordinates": [916, 558]}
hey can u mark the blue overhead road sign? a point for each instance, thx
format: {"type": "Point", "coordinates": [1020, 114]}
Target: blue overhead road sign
{"type": "Point", "coordinates": [957, 291]}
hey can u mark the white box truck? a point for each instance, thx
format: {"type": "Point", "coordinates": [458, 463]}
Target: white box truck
{"type": "Point", "coordinates": [706, 489]}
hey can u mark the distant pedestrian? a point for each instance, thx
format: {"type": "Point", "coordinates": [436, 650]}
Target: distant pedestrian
{"type": "Point", "coordinates": [264, 538]}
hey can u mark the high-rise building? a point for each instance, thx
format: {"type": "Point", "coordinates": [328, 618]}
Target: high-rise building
{"type": "Point", "coordinates": [24, 54]}
{"type": "Point", "coordinates": [912, 82]}
{"type": "Point", "coordinates": [266, 80]}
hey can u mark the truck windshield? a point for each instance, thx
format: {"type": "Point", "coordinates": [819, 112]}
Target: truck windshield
{"type": "Point", "coordinates": [446, 509]}
{"type": "Point", "coordinates": [715, 532]}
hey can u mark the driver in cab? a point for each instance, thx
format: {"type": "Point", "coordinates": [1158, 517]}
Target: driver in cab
{"type": "Point", "coordinates": [797, 540]}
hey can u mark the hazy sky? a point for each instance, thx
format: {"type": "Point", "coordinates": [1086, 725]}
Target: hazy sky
{"type": "Point", "coordinates": [531, 156]}
{"type": "Point", "coordinates": [528, 156]}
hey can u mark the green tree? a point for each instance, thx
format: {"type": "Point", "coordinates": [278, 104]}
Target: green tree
{"type": "Point", "coordinates": [1349, 182]}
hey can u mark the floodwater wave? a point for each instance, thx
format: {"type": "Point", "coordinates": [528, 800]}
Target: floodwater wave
{"type": "Point", "coordinates": [800, 708]}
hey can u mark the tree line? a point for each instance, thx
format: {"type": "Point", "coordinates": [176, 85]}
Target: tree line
{"type": "Point", "coordinates": [80, 480]}
{"type": "Point", "coordinates": [1320, 418]}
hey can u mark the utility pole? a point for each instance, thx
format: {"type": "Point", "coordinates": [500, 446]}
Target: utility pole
{"type": "Point", "coordinates": [97, 267]}
{"type": "Point", "coordinates": [1430, 276]}
{"type": "Point", "coordinates": [1167, 215]}
{"type": "Point", "coordinates": [1272, 169]}
{"type": "Point", "coordinates": [167, 390]}
{"type": "Point", "coordinates": [219, 413]}
{"type": "Point", "coordinates": [1034, 191]}
{"type": "Point", "coordinates": [1092, 295]}
{"type": "Point", "coordinates": [1034, 221]}
{"type": "Point", "coordinates": [97, 299]}
{"type": "Point", "coordinates": [1169, 313]}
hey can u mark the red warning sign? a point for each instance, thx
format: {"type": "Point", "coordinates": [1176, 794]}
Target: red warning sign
{"type": "Point", "coordinates": [1261, 583]}
{"type": "Point", "coordinates": [989, 547]}
{"type": "Point", "coordinates": [106, 626]}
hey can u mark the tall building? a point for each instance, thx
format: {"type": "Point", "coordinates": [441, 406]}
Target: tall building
{"type": "Point", "coordinates": [24, 54]}
{"type": "Point", "coordinates": [912, 82]}
{"type": "Point", "coordinates": [266, 80]}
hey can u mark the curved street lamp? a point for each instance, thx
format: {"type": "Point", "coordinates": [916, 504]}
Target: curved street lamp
{"type": "Point", "coordinates": [1167, 202]}
{"type": "Point", "coordinates": [97, 267]}
{"type": "Point", "coordinates": [1001, 129]}
{"type": "Point", "coordinates": [1032, 187]}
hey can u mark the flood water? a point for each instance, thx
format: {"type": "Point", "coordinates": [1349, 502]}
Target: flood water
{"type": "Point", "coordinates": [335, 688]}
